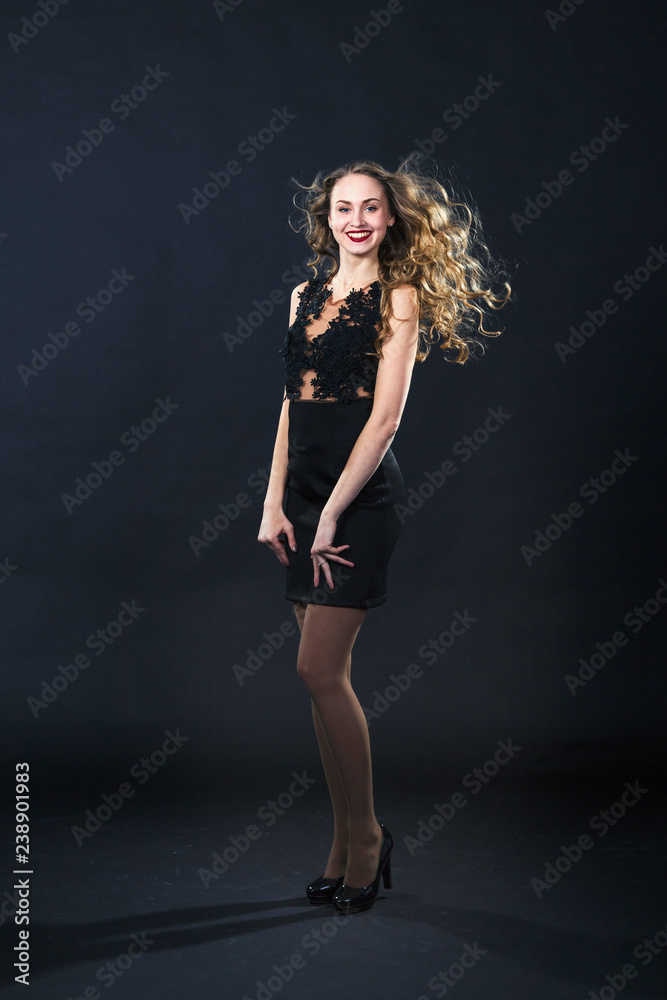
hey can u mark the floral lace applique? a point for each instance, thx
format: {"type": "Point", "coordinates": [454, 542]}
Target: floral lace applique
{"type": "Point", "coordinates": [342, 357]}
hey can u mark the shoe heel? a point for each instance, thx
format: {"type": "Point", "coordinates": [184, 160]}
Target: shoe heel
{"type": "Point", "coordinates": [386, 873]}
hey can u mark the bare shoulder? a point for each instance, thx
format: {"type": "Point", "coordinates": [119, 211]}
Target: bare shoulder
{"type": "Point", "coordinates": [294, 301]}
{"type": "Point", "coordinates": [298, 289]}
{"type": "Point", "coordinates": [404, 302]}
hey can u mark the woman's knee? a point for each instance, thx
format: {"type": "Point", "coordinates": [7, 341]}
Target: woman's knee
{"type": "Point", "coordinates": [307, 672]}
{"type": "Point", "coordinates": [318, 678]}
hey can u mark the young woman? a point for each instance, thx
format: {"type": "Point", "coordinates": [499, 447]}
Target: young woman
{"type": "Point", "coordinates": [403, 274]}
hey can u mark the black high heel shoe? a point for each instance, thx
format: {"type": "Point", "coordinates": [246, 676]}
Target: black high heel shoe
{"type": "Point", "coordinates": [347, 899]}
{"type": "Point", "coordinates": [322, 890]}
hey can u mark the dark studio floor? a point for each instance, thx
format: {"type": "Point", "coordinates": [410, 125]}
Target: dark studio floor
{"type": "Point", "coordinates": [139, 908]}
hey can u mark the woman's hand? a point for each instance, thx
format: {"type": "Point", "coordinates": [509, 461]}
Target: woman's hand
{"type": "Point", "coordinates": [323, 549]}
{"type": "Point", "coordinates": [274, 523]}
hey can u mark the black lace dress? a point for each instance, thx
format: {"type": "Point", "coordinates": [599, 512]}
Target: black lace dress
{"type": "Point", "coordinates": [329, 381]}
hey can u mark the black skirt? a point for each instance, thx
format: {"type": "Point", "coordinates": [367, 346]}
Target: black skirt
{"type": "Point", "coordinates": [321, 437]}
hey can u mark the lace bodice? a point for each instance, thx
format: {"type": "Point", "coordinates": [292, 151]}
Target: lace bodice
{"type": "Point", "coordinates": [341, 357]}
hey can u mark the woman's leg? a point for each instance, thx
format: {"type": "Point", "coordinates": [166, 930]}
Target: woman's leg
{"type": "Point", "coordinates": [338, 855]}
{"type": "Point", "coordinates": [324, 665]}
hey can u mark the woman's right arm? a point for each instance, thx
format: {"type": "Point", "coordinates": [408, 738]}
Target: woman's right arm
{"type": "Point", "coordinates": [274, 520]}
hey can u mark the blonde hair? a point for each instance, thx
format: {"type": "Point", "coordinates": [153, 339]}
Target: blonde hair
{"type": "Point", "coordinates": [434, 246]}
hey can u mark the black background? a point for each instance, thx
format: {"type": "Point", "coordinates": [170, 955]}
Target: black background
{"type": "Point", "coordinates": [167, 336]}
{"type": "Point", "coordinates": [164, 336]}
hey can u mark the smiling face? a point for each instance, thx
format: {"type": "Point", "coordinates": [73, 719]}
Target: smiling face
{"type": "Point", "coordinates": [359, 214]}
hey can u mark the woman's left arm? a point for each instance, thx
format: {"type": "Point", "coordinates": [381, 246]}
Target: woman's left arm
{"type": "Point", "coordinates": [391, 392]}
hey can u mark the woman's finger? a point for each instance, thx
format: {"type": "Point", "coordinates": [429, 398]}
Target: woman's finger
{"type": "Point", "coordinates": [339, 559]}
{"type": "Point", "coordinates": [276, 545]}
{"type": "Point", "coordinates": [325, 569]}
{"type": "Point", "coordinates": [291, 539]}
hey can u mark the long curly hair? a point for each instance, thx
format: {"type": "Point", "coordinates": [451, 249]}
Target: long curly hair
{"type": "Point", "coordinates": [435, 246]}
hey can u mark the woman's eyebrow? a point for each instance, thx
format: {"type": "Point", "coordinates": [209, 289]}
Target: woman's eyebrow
{"type": "Point", "coordinates": [346, 202]}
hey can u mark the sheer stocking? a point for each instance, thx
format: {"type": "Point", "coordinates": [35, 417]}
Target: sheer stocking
{"type": "Point", "coordinates": [324, 665]}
